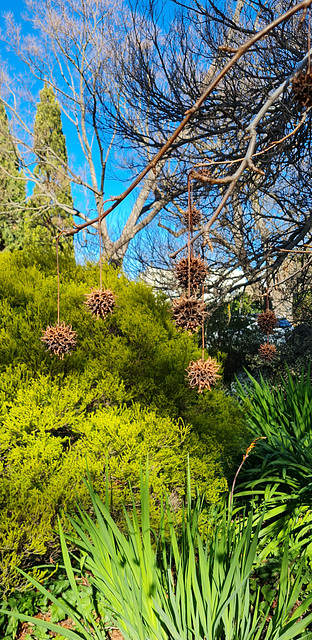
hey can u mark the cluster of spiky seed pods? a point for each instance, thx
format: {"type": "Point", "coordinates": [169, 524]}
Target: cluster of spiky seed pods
{"type": "Point", "coordinates": [60, 339]}
{"type": "Point", "coordinates": [267, 322]}
{"type": "Point", "coordinates": [189, 312]}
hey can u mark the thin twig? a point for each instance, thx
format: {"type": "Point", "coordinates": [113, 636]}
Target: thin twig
{"type": "Point", "coordinates": [245, 456]}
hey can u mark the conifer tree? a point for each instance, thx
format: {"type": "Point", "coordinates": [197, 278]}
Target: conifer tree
{"type": "Point", "coordinates": [51, 153]}
{"type": "Point", "coordinates": [12, 189]}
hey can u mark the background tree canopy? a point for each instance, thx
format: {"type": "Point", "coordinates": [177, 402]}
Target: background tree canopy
{"type": "Point", "coordinates": [124, 77]}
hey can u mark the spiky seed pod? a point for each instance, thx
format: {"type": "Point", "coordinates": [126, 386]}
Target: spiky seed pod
{"type": "Point", "coordinates": [203, 174]}
{"type": "Point", "coordinates": [188, 313]}
{"type": "Point", "coordinates": [59, 339]}
{"type": "Point", "coordinates": [267, 351]}
{"type": "Point", "coordinates": [267, 321]}
{"type": "Point", "coordinates": [100, 302]}
{"type": "Point", "coordinates": [302, 88]}
{"type": "Point", "coordinates": [198, 272]}
{"type": "Point", "coordinates": [193, 220]}
{"type": "Point", "coordinates": [203, 374]}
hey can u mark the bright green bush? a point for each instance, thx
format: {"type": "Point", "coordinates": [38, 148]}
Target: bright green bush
{"type": "Point", "coordinates": [51, 430]}
{"type": "Point", "coordinates": [122, 393]}
{"type": "Point", "coordinates": [138, 343]}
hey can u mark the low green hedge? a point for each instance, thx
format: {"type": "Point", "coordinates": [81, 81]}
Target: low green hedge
{"type": "Point", "coordinates": [55, 429]}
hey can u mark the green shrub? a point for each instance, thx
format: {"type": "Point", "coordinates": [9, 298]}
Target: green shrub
{"type": "Point", "coordinates": [279, 470]}
{"type": "Point", "coordinates": [219, 421]}
{"type": "Point", "coordinates": [51, 429]}
{"type": "Point", "coordinates": [121, 393]}
{"type": "Point", "coordinates": [138, 343]}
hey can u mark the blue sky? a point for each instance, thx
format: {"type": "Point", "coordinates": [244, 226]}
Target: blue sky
{"type": "Point", "coordinates": [114, 185]}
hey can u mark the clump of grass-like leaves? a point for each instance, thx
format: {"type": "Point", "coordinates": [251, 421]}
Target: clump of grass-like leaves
{"type": "Point", "coordinates": [280, 468]}
{"type": "Point", "coordinates": [174, 584]}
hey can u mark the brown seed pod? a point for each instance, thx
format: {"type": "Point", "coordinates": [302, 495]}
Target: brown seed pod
{"type": "Point", "coordinates": [203, 174]}
{"type": "Point", "coordinates": [198, 272]}
{"type": "Point", "coordinates": [203, 374]}
{"type": "Point", "coordinates": [267, 321]}
{"type": "Point", "coordinates": [188, 313]}
{"type": "Point", "coordinates": [100, 302]}
{"type": "Point", "coordinates": [193, 220]}
{"type": "Point", "coordinates": [267, 351]}
{"type": "Point", "coordinates": [302, 88]}
{"type": "Point", "coordinates": [59, 339]}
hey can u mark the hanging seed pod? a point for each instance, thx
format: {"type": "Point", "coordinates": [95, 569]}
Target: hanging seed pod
{"type": "Point", "coordinates": [203, 174]}
{"type": "Point", "coordinates": [188, 313]}
{"type": "Point", "coordinates": [198, 272]}
{"type": "Point", "coordinates": [203, 374]}
{"type": "Point", "coordinates": [267, 351]}
{"type": "Point", "coordinates": [267, 321]}
{"type": "Point", "coordinates": [100, 302]}
{"type": "Point", "coordinates": [59, 339]}
{"type": "Point", "coordinates": [302, 88]}
{"type": "Point", "coordinates": [193, 220]}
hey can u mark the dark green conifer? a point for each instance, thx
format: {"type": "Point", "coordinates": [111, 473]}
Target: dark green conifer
{"type": "Point", "coordinates": [53, 182]}
{"type": "Point", "coordinates": [12, 189]}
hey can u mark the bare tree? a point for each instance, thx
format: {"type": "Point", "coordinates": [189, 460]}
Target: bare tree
{"type": "Point", "coordinates": [168, 68]}
{"type": "Point", "coordinates": [126, 79]}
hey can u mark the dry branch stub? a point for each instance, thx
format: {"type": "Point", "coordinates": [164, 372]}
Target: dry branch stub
{"type": "Point", "coordinates": [267, 321]}
{"type": "Point", "coordinates": [100, 302]}
{"type": "Point", "coordinates": [203, 174]}
{"type": "Point", "coordinates": [193, 268]}
{"type": "Point", "coordinates": [203, 374]}
{"type": "Point", "coordinates": [302, 88]}
{"type": "Point", "coordinates": [188, 313]}
{"type": "Point", "coordinates": [60, 339]}
{"type": "Point", "coordinates": [267, 351]}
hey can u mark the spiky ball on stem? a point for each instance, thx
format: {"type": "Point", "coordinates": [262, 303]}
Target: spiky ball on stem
{"type": "Point", "coordinates": [59, 339]}
{"type": "Point", "coordinates": [267, 352]}
{"type": "Point", "coordinates": [194, 269]}
{"type": "Point", "coordinates": [192, 219]}
{"type": "Point", "coordinates": [203, 374]}
{"type": "Point", "coordinates": [267, 321]}
{"type": "Point", "coordinates": [188, 313]}
{"type": "Point", "coordinates": [100, 302]}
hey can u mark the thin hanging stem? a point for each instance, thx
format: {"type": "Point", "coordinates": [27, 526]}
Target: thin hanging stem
{"type": "Point", "coordinates": [267, 281]}
{"type": "Point", "coordinates": [191, 218]}
{"type": "Point", "coordinates": [100, 248]}
{"type": "Point", "coordinates": [58, 276]}
{"type": "Point", "coordinates": [309, 39]}
{"type": "Point", "coordinates": [189, 179]}
{"type": "Point", "coordinates": [203, 329]}
{"type": "Point", "coordinates": [267, 306]}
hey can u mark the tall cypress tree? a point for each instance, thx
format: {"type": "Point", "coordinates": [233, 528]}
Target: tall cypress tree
{"type": "Point", "coordinates": [12, 189]}
{"type": "Point", "coordinates": [51, 153]}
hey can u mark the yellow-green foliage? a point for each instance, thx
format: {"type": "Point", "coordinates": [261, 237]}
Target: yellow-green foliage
{"type": "Point", "coordinates": [138, 343]}
{"type": "Point", "coordinates": [121, 395]}
{"type": "Point", "coordinates": [53, 429]}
